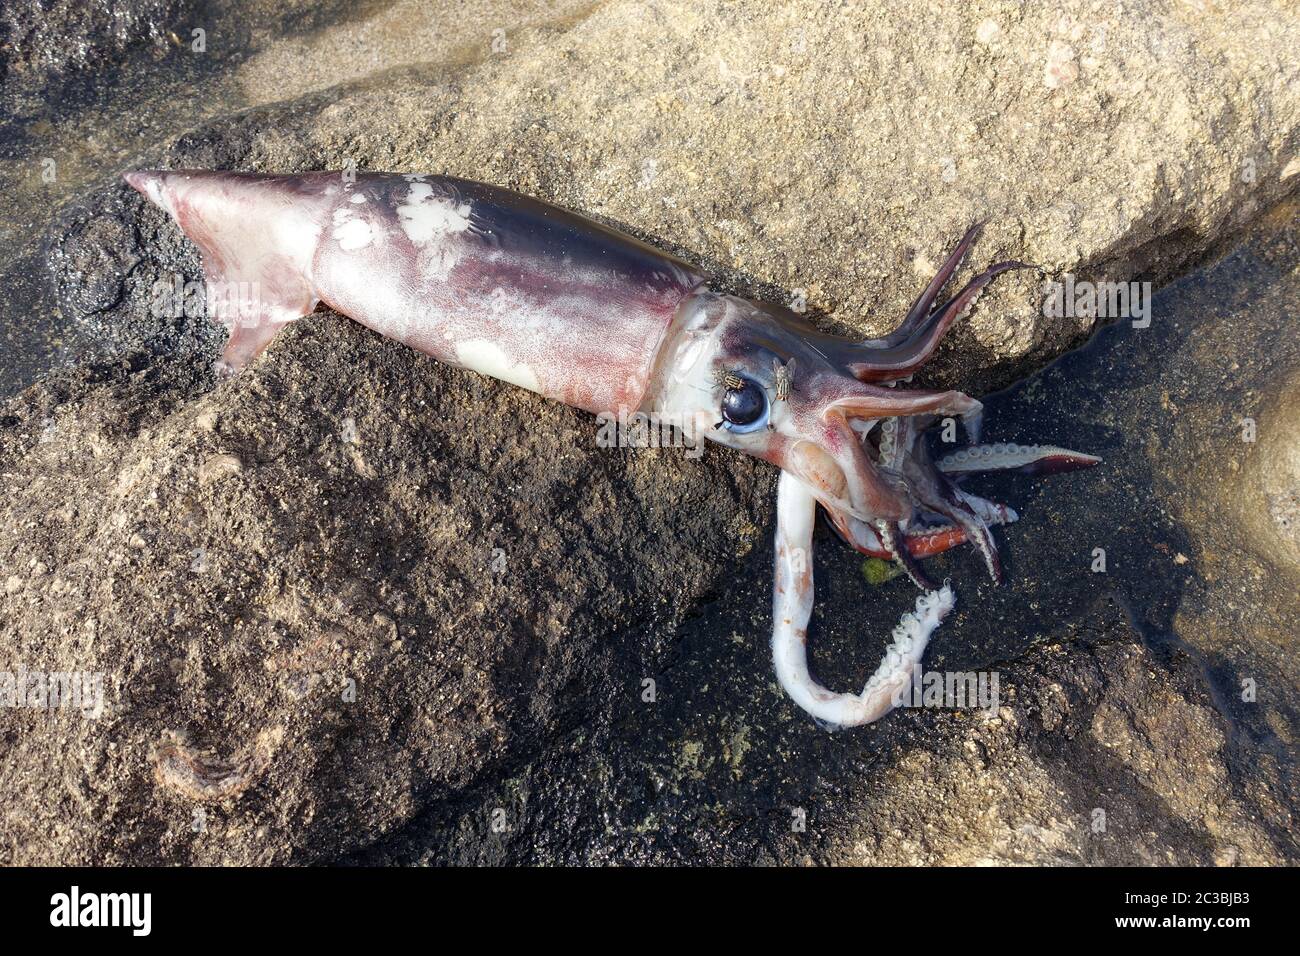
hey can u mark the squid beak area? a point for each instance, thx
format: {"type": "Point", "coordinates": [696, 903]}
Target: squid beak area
{"type": "Point", "coordinates": [922, 542]}
{"type": "Point", "coordinates": [818, 470]}
{"type": "Point", "coordinates": [833, 463]}
{"type": "Point", "coordinates": [895, 543]}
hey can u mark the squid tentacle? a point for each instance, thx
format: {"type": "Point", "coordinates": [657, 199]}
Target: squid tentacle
{"type": "Point", "coordinates": [792, 609]}
{"type": "Point", "coordinates": [891, 536]}
{"type": "Point", "coordinates": [922, 307]}
{"type": "Point", "coordinates": [924, 542]}
{"type": "Point", "coordinates": [875, 364]}
{"type": "Point", "coordinates": [953, 506]}
{"type": "Point", "coordinates": [1032, 459]}
{"type": "Point", "coordinates": [990, 512]}
{"type": "Point", "coordinates": [871, 402]}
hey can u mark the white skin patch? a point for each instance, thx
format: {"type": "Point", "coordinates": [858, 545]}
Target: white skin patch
{"type": "Point", "coordinates": [357, 198]}
{"type": "Point", "coordinates": [351, 233]}
{"type": "Point", "coordinates": [159, 198]}
{"type": "Point", "coordinates": [480, 355]}
{"type": "Point", "coordinates": [425, 217]}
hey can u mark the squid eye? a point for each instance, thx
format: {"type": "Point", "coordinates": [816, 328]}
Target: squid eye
{"type": "Point", "coordinates": [744, 405]}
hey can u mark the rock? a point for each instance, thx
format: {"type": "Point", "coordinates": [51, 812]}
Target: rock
{"type": "Point", "coordinates": [1023, 788]}
{"type": "Point", "coordinates": [271, 689]}
{"type": "Point", "coordinates": [41, 40]}
{"type": "Point", "coordinates": [388, 611]}
{"type": "Point", "coordinates": [355, 678]}
{"type": "Point", "coordinates": [832, 154]}
{"type": "Point", "coordinates": [218, 467]}
{"type": "Point", "coordinates": [1271, 507]}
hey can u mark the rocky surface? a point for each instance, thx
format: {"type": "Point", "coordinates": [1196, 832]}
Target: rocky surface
{"type": "Point", "coordinates": [385, 599]}
{"type": "Point", "coordinates": [353, 605]}
{"type": "Point", "coordinates": [46, 40]}
{"type": "Point", "coordinates": [829, 153]}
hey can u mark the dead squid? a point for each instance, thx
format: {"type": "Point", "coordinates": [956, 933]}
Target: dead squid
{"type": "Point", "coordinates": [515, 288]}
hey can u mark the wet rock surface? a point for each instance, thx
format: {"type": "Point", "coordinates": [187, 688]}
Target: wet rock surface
{"type": "Point", "coordinates": [46, 40]}
{"type": "Point", "coordinates": [319, 612]}
{"type": "Point", "coordinates": [828, 154]}
{"type": "Point", "coordinates": [356, 606]}
{"type": "Point", "coordinates": [289, 582]}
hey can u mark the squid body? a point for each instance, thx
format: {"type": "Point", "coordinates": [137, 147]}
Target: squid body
{"type": "Point", "coordinates": [512, 287]}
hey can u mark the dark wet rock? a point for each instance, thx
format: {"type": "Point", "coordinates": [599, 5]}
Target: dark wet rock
{"type": "Point", "coordinates": [44, 39]}
{"type": "Point", "coordinates": [48, 43]}
{"type": "Point", "coordinates": [103, 251]}
{"type": "Point", "coordinates": [236, 557]}
{"type": "Point", "coordinates": [1099, 753]}
{"type": "Point", "coordinates": [232, 557]}
{"type": "Point", "coordinates": [322, 596]}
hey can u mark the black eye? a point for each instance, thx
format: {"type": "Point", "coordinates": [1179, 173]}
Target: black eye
{"type": "Point", "coordinates": [744, 404]}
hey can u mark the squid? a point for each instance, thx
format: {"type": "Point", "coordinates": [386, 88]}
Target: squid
{"type": "Point", "coordinates": [509, 286]}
